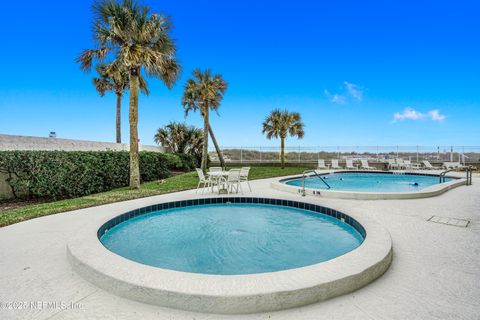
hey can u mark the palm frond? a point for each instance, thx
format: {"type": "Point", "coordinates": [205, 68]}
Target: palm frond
{"type": "Point", "coordinates": [180, 138]}
{"type": "Point", "coordinates": [87, 57]}
{"type": "Point", "coordinates": [280, 123]}
{"type": "Point", "coordinates": [203, 90]}
{"type": "Point", "coordinates": [102, 85]}
{"type": "Point", "coordinates": [134, 39]}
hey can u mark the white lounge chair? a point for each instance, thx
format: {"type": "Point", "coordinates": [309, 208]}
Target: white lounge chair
{"type": "Point", "coordinates": [321, 164]}
{"type": "Point", "coordinates": [349, 165]}
{"type": "Point", "coordinates": [365, 165]}
{"type": "Point", "coordinates": [202, 180]}
{"type": "Point", "coordinates": [335, 165]}
{"type": "Point", "coordinates": [453, 165]}
{"type": "Point", "coordinates": [392, 164]}
{"type": "Point", "coordinates": [411, 166]}
{"type": "Point", "coordinates": [429, 166]}
{"type": "Point", "coordinates": [400, 163]}
{"type": "Point", "coordinates": [244, 176]}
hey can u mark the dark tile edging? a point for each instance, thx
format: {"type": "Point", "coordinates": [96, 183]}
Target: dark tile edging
{"type": "Point", "coordinates": [221, 200]}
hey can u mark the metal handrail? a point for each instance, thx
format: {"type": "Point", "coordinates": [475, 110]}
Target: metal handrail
{"type": "Point", "coordinates": [469, 175]}
{"type": "Point", "coordinates": [443, 173]}
{"type": "Point", "coordinates": [468, 172]}
{"type": "Point", "coordinates": [303, 180]}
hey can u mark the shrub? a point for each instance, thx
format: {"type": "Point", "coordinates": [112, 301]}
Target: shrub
{"type": "Point", "coordinates": [188, 162]}
{"type": "Point", "coordinates": [62, 174]}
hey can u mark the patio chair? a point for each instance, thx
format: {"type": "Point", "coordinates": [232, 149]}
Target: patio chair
{"type": "Point", "coordinates": [452, 165]}
{"type": "Point", "coordinates": [401, 165]}
{"type": "Point", "coordinates": [244, 176]}
{"type": "Point", "coordinates": [335, 165]}
{"type": "Point", "coordinates": [349, 165]}
{"type": "Point", "coordinates": [392, 164]}
{"type": "Point", "coordinates": [429, 166]}
{"type": "Point", "coordinates": [233, 181]}
{"type": "Point", "coordinates": [214, 174]}
{"type": "Point", "coordinates": [202, 180]}
{"type": "Point", "coordinates": [321, 164]}
{"type": "Point", "coordinates": [411, 166]}
{"type": "Point", "coordinates": [364, 165]}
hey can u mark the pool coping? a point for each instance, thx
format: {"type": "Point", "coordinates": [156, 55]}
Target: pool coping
{"type": "Point", "coordinates": [431, 191]}
{"type": "Point", "coordinates": [230, 294]}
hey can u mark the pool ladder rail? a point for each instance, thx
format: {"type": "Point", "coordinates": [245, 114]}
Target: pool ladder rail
{"type": "Point", "coordinates": [304, 175]}
{"type": "Point", "coordinates": [468, 171]}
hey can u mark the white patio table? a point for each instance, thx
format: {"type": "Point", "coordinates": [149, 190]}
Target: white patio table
{"type": "Point", "coordinates": [217, 177]}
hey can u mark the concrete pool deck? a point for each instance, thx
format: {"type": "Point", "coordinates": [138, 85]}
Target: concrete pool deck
{"type": "Point", "coordinates": [434, 274]}
{"type": "Point", "coordinates": [238, 293]}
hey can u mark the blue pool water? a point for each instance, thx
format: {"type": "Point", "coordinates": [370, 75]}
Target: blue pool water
{"type": "Point", "coordinates": [369, 182]}
{"type": "Point", "coordinates": [231, 238]}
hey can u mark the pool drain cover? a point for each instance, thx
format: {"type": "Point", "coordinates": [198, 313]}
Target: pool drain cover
{"type": "Point", "coordinates": [450, 221]}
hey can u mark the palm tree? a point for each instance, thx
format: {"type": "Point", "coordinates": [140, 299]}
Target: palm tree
{"type": "Point", "coordinates": [181, 138]}
{"type": "Point", "coordinates": [114, 77]}
{"type": "Point", "coordinates": [128, 33]}
{"type": "Point", "coordinates": [279, 124]}
{"type": "Point", "coordinates": [204, 92]}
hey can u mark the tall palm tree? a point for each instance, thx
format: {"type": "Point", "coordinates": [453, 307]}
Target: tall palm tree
{"type": "Point", "coordinates": [114, 77]}
{"type": "Point", "coordinates": [204, 92]}
{"type": "Point", "coordinates": [128, 33]}
{"type": "Point", "coordinates": [281, 123]}
{"type": "Point", "coordinates": [181, 138]}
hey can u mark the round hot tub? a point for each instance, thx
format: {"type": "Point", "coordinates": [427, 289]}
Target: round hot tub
{"type": "Point", "coordinates": [231, 254]}
{"type": "Point", "coordinates": [232, 238]}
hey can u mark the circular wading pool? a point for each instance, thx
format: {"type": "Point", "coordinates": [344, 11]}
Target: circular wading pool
{"type": "Point", "coordinates": [231, 254]}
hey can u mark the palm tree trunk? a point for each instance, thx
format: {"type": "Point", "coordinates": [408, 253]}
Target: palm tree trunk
{"type": "Point", "coordinates": [206, 125]}
{"type": "Point", "coordinates": [119, 118]}
{"type": "Point", "coordinates": [282, 152]}
{"type": "Point", "coordinates": [133, 116]}
{"type": "Point", "coordinates": [217, 148]}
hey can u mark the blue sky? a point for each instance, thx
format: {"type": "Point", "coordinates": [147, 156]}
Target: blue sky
{"type": "Point", "coordinates": [359, 72]}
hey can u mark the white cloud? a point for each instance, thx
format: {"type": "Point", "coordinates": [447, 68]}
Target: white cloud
{"type": "Point", "coordinates": [435, 115]}
{"type": "Point", "coordinates": [411, 114]}
{"type": "Point", "coordinates": [408, 113]}
{"type": "Point", "coordinates": [350, 92]}
{"type": "Point", "coordinates": [355, 91]}
{"type": "Point", "coordinates": [335, 98]}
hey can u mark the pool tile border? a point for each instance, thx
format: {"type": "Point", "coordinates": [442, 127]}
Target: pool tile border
{"type": "Point", "coordinates": [235, 200]}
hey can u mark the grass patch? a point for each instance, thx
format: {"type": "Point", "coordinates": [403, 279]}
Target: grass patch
{"type": "Point", "coordinates": [173, 184]}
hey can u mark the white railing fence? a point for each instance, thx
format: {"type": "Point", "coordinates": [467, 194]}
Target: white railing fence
{"type": "Point", "coordinates": [463, 154]}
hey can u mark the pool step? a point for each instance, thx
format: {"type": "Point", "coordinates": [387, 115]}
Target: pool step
{"type": "Point", "coordinates": [457, 222]}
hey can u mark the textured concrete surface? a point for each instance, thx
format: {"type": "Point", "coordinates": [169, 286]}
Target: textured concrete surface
{"type": "Point", "coordinates": [435, 271]}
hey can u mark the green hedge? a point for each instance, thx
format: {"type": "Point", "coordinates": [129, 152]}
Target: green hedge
{"type": "Point", "coordinates": [189, 162]}
{"type": "Point", "coordinates": [62, 174]}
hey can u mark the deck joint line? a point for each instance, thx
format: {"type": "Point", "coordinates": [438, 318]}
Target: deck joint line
{"type": "Point", "coordinates": [457, 222]}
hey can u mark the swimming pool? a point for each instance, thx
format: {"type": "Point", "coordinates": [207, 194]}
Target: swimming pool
{"type": "Point", "coordinates": [232, 238]}
{"type": "Point", "coordinates": [368, 182]}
